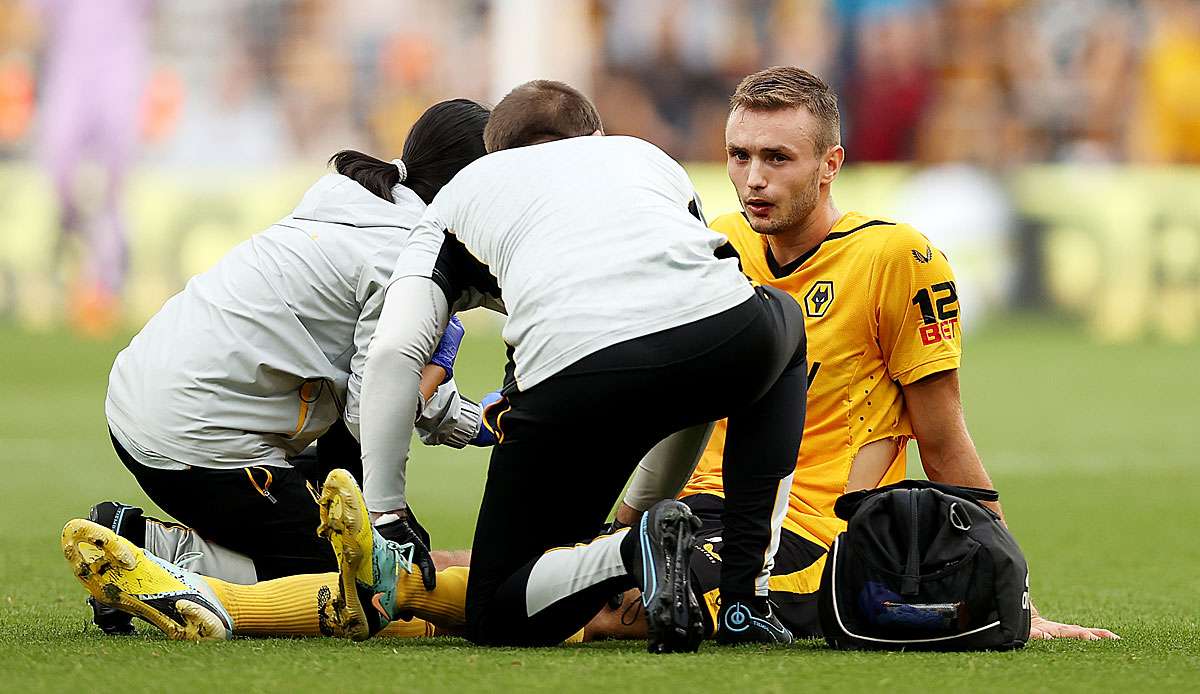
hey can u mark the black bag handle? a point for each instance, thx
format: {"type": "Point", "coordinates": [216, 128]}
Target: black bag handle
{"type": "Point", "coordinates": [847, 504]}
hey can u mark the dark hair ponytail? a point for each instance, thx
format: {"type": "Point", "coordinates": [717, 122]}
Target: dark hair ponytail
{"type": "Point", "coordinates": [377, 176]}
{"type": "Point", "coordinates": [447, 137]}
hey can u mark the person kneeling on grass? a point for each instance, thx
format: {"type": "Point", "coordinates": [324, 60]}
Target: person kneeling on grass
{"type": "Point", "coordinates": [216, 403]}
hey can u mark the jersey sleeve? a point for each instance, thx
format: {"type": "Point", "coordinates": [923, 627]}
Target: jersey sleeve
{"type": "Point", "coordinates": [916, 308]}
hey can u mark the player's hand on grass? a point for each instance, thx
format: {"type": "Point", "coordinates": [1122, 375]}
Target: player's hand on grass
{"type": "Point", "coordinates": [447, 347]}
{"type": "Point", "coordinates": [396, 526]}
{"type": "Point", "coordinates": [1042, 628]}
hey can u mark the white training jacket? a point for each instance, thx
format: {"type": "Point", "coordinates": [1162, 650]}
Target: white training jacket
{"type": "Point", "coordinates": [261, 354]}
{"type": "Point", "coordinates": [591, 240]}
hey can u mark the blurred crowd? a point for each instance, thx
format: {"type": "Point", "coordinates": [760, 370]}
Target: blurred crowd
{"type": "Point", "coordinates": [242, 82]}
{"type": "Point", "coordinates": [969, 91]}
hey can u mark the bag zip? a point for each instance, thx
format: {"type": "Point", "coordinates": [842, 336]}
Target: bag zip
{"type": "Point", "coordinates": [911, 584]}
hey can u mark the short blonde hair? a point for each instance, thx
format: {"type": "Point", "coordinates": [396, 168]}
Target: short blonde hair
{"type": "Point", "coordinates": [786, 86]}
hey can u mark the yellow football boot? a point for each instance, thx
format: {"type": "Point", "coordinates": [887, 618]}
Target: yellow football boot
{"type": "Point", "coordinates": [368, 565]}
{"type": "Point", "coordinates": [121, 575]}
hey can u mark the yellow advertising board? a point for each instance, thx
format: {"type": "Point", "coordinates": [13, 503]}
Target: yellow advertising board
{"type": "Point", "coordinates": [1117, 247]}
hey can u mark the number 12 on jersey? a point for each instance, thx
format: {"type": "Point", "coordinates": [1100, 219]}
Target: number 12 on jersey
{"type": "Point", "coordinates": [939, 312]}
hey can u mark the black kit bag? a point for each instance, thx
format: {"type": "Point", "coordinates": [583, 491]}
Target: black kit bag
{"type": "Point", "coordinates": [924, 566]}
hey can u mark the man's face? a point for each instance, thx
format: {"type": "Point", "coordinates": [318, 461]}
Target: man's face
{"type": "Point", "coordinates": [774, 166]}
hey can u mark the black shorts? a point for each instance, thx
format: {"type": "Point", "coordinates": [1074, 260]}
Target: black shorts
{"type": "Point", "coordinates": [794, 578]}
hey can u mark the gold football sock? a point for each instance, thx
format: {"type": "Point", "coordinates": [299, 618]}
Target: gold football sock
{"type": "Point", "coordinates": [445, 605]}
{"type": "Point", "coordinates": [288, 606]}
{"type": "Point", "coordinates": [412, 629]}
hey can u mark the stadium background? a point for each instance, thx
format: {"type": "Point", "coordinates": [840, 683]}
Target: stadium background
{"type": "Point", "coordinates": [1049, 147]}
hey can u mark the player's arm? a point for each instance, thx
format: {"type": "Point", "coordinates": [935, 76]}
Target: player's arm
{"type": "Point", "coordinates": [918, 330]}
{"type": "Point", "coordinates": [948, 455]}
{"type": "Point", "coordinates": [947, 452]}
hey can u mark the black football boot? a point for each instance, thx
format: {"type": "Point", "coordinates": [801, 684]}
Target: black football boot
{"type": "Point", "coordinates": [665, 539]}
{"type": "Point", "coordinates": [750, 621]}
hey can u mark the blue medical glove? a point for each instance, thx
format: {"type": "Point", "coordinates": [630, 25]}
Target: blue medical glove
{"type": "Point", "coordinates": [447, 348]}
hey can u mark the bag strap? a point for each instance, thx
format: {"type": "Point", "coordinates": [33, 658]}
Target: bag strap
{"type": "Point", "coordinates": [847, 504]}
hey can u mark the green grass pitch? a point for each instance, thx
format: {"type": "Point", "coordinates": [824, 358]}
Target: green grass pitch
{"type": "Point", "coordinates": [1092, 446]}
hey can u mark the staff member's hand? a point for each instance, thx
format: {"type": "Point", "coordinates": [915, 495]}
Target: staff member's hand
{"type": "Point", "coordinates": [395, 526]}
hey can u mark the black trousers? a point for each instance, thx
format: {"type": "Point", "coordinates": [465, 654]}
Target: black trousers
{"type": "Point", "coordinates": [569, 444]}
{"type": "Point", "coordinates": [269, 514]}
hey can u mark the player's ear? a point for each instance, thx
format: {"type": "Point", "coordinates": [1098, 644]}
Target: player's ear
{"type": "Point", "coordinates": [598, 132]}
{"type": "Point", "coordinates": [832, 164]}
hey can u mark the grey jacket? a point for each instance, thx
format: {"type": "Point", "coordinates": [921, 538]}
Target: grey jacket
{"type": "Point", "coordinates": [261, 354]}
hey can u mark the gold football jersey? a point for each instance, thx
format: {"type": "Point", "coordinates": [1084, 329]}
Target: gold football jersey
{"type": "Point", "coordinates": [881, 311]}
